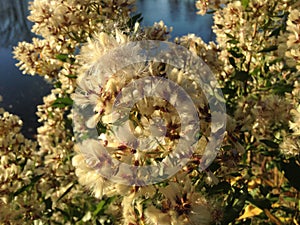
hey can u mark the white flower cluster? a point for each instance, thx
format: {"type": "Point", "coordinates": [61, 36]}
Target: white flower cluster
{"type": "Point", "coordinates": [18, 163]}
{"type": "Point", "coordinates": [94, 162]}
{"type": "Point", "coordinates": [291, 142]}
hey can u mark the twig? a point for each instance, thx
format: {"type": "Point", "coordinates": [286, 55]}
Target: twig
{"type": "Point", "coordinates": [273, 218]}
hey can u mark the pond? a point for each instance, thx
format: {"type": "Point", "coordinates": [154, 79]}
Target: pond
{"type": "Point", "coordinates": [22, 93]}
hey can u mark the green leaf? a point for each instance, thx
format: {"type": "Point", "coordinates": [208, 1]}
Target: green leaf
{"type": "Point", "coordinates": [220, 26]}
{"type": "Point", "coordinates": [235, 54]}
{"type": "Point", "coordinates": [214, 166]}
{"type": "Point", "coordinates": [99, 208]}
{"type": "Point", "coordinates": [134, 19]}
{"type": "Point", "coordinates": [235, 174]}
{"type": "Point", "coordinates": [233, 211]}
{"type": "Point", "coordinates": [265, 190]}
{"type": "Point", "coordinates": [62, 102]}
{"type": "Point", "coordinates": [71, 76]}
{"type": "Point", "coordinates": [103, 205]}
{"type": "Point", "coordinates": [233, 41]}
{"type": "Point", "coordinates": [64, 213]}
{"type": "Point", "coordinates": [245, 3]}
{"type": "Point", "coordinates": [27, 187]}
{"type": "Point", "coordinates": [66, 192]}
{"type": "Point", "coordinates": [62, 57]}
{"type": "Point", "coordinates": [101, 128]}
{"type": "Point", "coordinates": [65, 58]}
{"type": "Point", "coordinates": [269, 152]}
{"type": "Point", "coordinates": [57, 84]}
{"type": "Point", "coordinates": [262, 203]}
{"type": "Point", "coordinates": [269, 49]}
{"type": "Point", "coordinates": [241, 76]}
{"type": "Point", "coordinates": [48, 203]}
{"type": "Point", "coordinates": [232, 62]}
{"type": "Point", "coordinates": [211, 11]}
{"type": "Point", "coordinates": [229, 91]}
{"type": "Point", "coordinates": [269, 143]}
{"type": "Point", "coordinates": [281, 89]}
{"type": "Point", "coordinates": [222, 187]}
{"type": "Point", "coordinates": [230, 35]}
{"type": "Point", "coordinates": [275, 32]}
{"type": "Point", "coordinates": [291, 171]}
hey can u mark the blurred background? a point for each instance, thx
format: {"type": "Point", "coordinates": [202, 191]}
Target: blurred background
{"type": "Point", "coordinates": [22, 93]}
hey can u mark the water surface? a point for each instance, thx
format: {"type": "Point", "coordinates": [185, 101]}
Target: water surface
{"type": "Point", "coordinates": [179, 14]}
{"type": "Point", "coordinates": [21, 93]}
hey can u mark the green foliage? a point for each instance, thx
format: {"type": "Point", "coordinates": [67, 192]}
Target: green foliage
{"type": "Point", "coordinates": [28, 186]}
{"type": "Point", "coordinates": [62, 102]}
{"type": "Point", "coordinates": [138, 18]}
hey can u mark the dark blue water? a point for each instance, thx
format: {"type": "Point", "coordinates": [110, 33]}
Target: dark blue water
{"type": "Point", "coordinates": [179, 14]}
{"type": "Point", "coordinates": [22, 93]}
